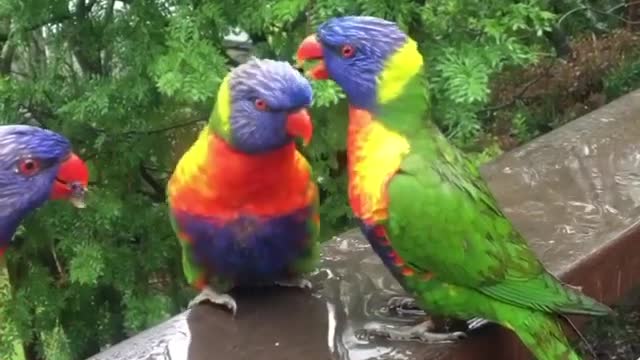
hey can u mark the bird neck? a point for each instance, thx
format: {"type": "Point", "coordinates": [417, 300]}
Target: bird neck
{"type": "Point", "coordinates": [401, 111]}
{"type": "Point", "coordinates": [232, 164]}
{"type": "Point", "coordinates": [402, 91]}
{"type": "Point", "coordinates": [8, 226]}
{"type": "Point", "coordinates": [220, 118]}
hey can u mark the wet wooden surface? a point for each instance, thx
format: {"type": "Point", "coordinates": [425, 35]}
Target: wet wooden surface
{"type": "Point", "coordinates": [574, 193]}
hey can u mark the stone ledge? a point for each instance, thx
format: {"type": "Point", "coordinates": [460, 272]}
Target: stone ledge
{"type": "Point", "coordinates": [574, 193]}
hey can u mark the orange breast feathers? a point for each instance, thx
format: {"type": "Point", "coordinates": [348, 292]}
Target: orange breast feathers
{"type": "Point", "coordinates": [213, 179]}
{"type": "Point", "coordinates": [374, 155]}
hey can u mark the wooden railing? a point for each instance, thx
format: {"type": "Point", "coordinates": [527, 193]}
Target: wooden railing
{"type": "Point", "coordinates": [574, 193]}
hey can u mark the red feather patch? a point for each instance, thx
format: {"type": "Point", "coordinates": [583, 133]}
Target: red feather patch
{"type": "Point", "coordinates": [229, 182]}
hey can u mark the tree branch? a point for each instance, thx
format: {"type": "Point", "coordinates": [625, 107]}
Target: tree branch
{"type": "Point", "coordinates": [6, 57]}
{"type": "Point", "coordinates": [153, 131]}
{"type": "Point", "coordinates": [608, 12]}
{"type": "Point", "coordinates": [158, 194]}
{"type": "Point", "coordinates": [560, 41]}
{"type": "Point", "coordinates": [84, 49]}
{"type": "Point", "coordinates": [60, 18]}
{"type": "Point", "coordinates": [62, 275]}
{"type": "Point", "coordinates": [108, 16]}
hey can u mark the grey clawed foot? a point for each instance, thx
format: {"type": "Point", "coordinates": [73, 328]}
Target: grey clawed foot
{"type": "Point", "coordinates": [574, 287]}
{"type": "Point", "coordinates": [402, 306]}
{"type": "Point", "coordinates": [208, 294]}
{"type": "Point", "coordinates": [297, 283]}
{"type": "Point", "coordinates": [405, 303]}
{"type": "Point", "coordinates": [421, 332]}
{"type": "Point", "coordinates": [477, 323]}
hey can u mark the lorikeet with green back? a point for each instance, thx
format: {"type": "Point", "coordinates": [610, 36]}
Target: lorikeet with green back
{"type": "Point", "coordinates": [35, 165]}
{"type": "Point", "coordinates": [423, 205]}
{"type": "Point", "coordinates": [243, 201]}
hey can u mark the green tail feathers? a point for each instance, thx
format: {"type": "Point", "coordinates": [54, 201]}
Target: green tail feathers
{"type": "Point", "coordinates": [580, 304]}
{"type": "Point", "coordinates": [570, 301]}
{"type": "Point", "coordinates": [542, 334]}
{"type": "Point", "coordinates": [547, 294]}
{"type": "Point", "coordinates": [531, 310]}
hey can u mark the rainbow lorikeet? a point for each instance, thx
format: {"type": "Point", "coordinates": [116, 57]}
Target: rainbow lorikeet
{"type": "Point", "coordinates": [243, 201]}
{"type": "Point", "coordinates": [423, 205]}
{"type": "Point", "coordinates": [35, 165]}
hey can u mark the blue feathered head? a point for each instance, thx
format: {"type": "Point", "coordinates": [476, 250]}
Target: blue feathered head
{"type": "Point", "coordinates": [35, 165]}
{"type": "Point", "coordinates": [262, 106]}
{"type": "Point", "coordinates": [352, 51]}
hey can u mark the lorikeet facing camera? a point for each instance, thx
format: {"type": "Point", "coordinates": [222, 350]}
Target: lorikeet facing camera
{"type": "Point", "coordinates": [243, 200]}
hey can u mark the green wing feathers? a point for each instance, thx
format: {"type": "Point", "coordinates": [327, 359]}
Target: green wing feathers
{"type": "Point", "coordinates": [309, 262]}
{"type": "Point", "coordinates": [192, 271]}
{"type": "Point", "coordinates": [462, 240]}
{"type": "Point", "coordinates": [544, 293]}
{"type": "Point", "coordinates": [467, 241]}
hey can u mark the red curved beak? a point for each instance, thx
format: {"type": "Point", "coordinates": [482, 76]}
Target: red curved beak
{"type": "Point", "coordinates": [299, 125]}
{"type": "Point", "coordinates": [71, 181]}
{"type": "Point", "coordinates": [311, 49]}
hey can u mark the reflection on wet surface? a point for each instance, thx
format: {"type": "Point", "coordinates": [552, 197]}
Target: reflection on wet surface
{"type": "Point", "coordinates": [575, 187]}
{"type": "Point", "coordinates": [357, 287]}
{"type": "Point", "coordinates": [570, 192]}
{"type": "Point", "coordinates": [167, 341]}
{"type": "Point", "coordinates": [351, 289]}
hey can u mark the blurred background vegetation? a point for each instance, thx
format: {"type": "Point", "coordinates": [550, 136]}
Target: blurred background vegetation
{"type": "Point", "coordinates": [130, 82]}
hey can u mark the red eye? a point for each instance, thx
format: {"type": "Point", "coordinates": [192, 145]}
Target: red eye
{"type": "Point", "coordinates": [28, 167]}
{"type": "Point", "coordinates": [261, 105]}
{"type": "Point", "coordinates": [348, 51]}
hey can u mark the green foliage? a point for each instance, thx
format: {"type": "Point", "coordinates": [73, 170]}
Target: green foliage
{"type": "Point", "coordinates": [487, 154]}
{"type": "Point", "coordinates": [496, 34]}
{"type": "Point", "coordinates": [524, 124]}
{"type": "Point", "coordinates": [623, 79]}
{"type": "Point", "coordinates": [55, 344]}
{"type": "Point", "coordinates": [11, 345]}
{"type": "Point", "coordinates": [591, 15]}
{"type": "Point", "coordinates": [130, 82]}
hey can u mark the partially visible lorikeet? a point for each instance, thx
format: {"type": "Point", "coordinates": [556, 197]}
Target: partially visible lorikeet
{"type": "Point", "coordinates": [423, 205]}
{"type": "Point", "coordinates": [243, 200]}
{"type": "Point", "coordinates": [35, 165]}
